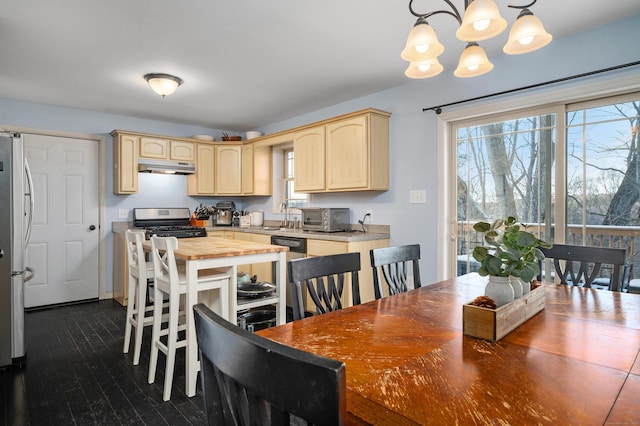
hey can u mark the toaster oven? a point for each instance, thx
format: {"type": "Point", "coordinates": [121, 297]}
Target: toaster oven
{"type": "Point", "coordinates": [326, 219]}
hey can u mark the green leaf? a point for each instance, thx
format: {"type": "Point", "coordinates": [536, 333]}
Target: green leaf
{"type": "Point", "coordinates": [480, 253]}
{"type": "Point", "coordinates": [494, 266]}
{"type": "Point", "coordinates": [481, 227]}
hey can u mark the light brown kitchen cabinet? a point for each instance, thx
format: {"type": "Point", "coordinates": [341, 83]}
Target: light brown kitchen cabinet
{"type": "Point", "coordinates": [228, 169]}
{"type": "Point", "coordinates": [120, 269]}
{"type": "Point", "coordinates": [202, 182]}
{"type": "Point", "coordinates": [182, 151]}
{"type": "Point", "coordinates": [256, 170]}
{"type": "Point", "coordinates": [247, 169]}
{"type": "Point", "coordinates": [350, 153]}
{"type": "Point", "coordinates": [125, 163]}
{"type": "Point", "coordinates": [166, 149]}
{"type": "Point", "coordinates": [154, 148]}
{"type": "Point", "coordinates": [309, 150]}
{"type": "Point", "coordinates": [365, 276]}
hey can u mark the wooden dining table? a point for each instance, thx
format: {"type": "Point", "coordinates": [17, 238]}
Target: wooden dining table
{"type": "Point", "coordinates": [408, 362]}
{"type": "Point", "coordinates": [225, 255]}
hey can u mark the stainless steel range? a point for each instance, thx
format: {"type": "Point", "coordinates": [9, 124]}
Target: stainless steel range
{"type": "Point", "coordinates": [166, 222]}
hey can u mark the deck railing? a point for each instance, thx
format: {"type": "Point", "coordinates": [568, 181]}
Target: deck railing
{"type": "Point", "coordinates": [626, 237]}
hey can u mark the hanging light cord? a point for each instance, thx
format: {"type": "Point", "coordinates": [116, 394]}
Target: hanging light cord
{"type": "Point", "coordinates": [454, 10]}
{"type": "Point", "coordinates": [438, 109]}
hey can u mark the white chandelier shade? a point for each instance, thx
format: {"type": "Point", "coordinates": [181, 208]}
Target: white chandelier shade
{"type": "Point", "coordinates": [527, 34]}
{"type": "Point", "coordinates": [422, 43]}
{"type": "Point", "coordinates": [424, 69]}
{"type": "Point", "coordinates": [481, 21]}
{"type": "Point", "coordinates": [473, 62]}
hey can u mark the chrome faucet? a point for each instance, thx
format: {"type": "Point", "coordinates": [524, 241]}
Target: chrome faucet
{"type": "Point", "coordinates": [285, 208]}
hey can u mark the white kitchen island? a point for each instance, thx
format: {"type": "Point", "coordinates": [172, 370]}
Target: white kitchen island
{"type": "Point", "coordinates": [225, 255]}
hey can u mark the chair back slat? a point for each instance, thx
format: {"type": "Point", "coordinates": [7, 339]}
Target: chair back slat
{"type": "Point", "coordinates": [580, 264]}
{"type": "Point", "coordinates": [393, 263]}
{"type": "Point", "coordinates": [165, 267]}
{"type": "Point", "coordinates": [249, 380]}
{"type": "Point", "coordinates": [135, 254]}
{"type": "Point", "coordinates": [323, 277]}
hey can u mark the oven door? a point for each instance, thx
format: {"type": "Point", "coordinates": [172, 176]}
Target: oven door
{"type": "Point", "coordinates": [312, 219]}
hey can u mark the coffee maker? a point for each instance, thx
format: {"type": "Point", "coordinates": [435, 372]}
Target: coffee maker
{"type": "Point", "coordinates": [224, 213]}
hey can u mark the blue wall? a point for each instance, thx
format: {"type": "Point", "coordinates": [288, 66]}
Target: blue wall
{"type": "Point", "coordinates": [413, 160]}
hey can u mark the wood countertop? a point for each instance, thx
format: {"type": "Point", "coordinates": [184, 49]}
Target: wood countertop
{"type": "Point", "coordinates": [212, 247]}
{"type": "Point", "coordinates": [577, 362]}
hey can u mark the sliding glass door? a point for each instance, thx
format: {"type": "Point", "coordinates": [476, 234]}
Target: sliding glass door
{"type": "Point", "coordinates": [603, 174]}
{"type": "Point", "coordinates": [569, 171]}
{"type": "Point", "coordinates": [504, 168]}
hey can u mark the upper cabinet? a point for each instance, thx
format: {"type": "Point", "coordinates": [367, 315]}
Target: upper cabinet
{"type": "Point", "coordinates": [309, 161]}
{"type": "Point", "coordinates": [256, 170]}
{"type": "Point", "coordinates": [165, 149]}
{"type": "Point", "coordinates": [125, 163]}
{"type": "Point", "coordinates": [202, 183]}
{"type": "Point", "coordinates": [350, 153]}
{"type": "Point", "coordinates": [182, 151]}
{"type": "Point", "coordinates": [228, 169]}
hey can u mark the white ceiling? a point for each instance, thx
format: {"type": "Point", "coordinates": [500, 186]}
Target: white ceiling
{"type": "Point", "coordinates": [245, 63]}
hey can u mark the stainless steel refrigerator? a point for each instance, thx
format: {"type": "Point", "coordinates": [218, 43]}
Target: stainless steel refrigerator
{"type": "Point", "coordinates": [16, 214]}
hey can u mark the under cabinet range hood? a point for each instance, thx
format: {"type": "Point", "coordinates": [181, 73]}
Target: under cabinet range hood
{"type": "Point", "coordinates": [146, 165]}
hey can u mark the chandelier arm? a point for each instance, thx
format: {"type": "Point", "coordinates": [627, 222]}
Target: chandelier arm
{"type": "Point", "coordinates": [453, 13]}
{"type": "Point", "coordinates": [521, 7]}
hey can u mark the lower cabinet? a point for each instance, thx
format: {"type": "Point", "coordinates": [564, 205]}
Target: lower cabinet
{"type": "Point", "coordinates": [120, 269]}
{"type": "Point", "coordinates": [324, 248]}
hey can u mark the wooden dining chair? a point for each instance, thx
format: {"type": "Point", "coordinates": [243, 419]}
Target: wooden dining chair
{"type": "Point", "coordinates": [392, 263]}
{"type": "Point", "coordinates": [139, 315]}
{"type": "Point", "coordinates": [580, 265]}
{"type": "Point", "coordinates": [324, 280]}
{"type": "Point", "coordinates": [171, 282]}
{"type": "Point", "coordinates": [247, 379]}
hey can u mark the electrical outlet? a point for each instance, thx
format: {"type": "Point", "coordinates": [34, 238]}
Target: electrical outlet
{"type": "Point", "coordinates": [417, 196]}
{"type": "Point", "coordinates": [123, 214]}
{"type": "Point", "coordinates": [370, 213]}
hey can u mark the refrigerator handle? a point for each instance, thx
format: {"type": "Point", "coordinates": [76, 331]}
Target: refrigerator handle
{"type": "Point", "coordinates": [29, 273]}
{"type": "Point", "coordinates": [29, 194]}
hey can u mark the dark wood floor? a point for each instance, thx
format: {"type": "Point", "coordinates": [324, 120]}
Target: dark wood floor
{"type": "Point", "coordinates": [75, 373]}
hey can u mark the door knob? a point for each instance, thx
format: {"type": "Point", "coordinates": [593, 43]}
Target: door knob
{"type": "Point", "coordinates": [1, 253]}
{"type": "Point", "coordinates": [92, 228]}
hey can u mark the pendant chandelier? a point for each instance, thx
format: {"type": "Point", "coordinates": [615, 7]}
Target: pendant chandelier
{"type": "Point", "coordinates": [481, 21]}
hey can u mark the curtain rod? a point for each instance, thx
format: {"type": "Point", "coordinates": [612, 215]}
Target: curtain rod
{"type": "Point", "coordinates": [438, 109]}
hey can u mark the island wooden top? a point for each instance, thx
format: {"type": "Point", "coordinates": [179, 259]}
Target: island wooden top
{"type": "Point", "coordinates": [212, 247]}
{"type": "Point", "coordinates": [407, 361]}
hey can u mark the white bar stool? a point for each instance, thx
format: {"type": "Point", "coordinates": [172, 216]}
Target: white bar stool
{"type": "Point", "coordinates": [139, 315]}
{"type": "Point", "coordinates": [170, 281]}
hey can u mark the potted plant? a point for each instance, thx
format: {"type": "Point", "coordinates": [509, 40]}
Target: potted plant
{"type": "Point", "coordinates": [511, 251]}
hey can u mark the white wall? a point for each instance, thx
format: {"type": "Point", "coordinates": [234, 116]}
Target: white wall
{"type": "Point", "coordinates": [413, 144]}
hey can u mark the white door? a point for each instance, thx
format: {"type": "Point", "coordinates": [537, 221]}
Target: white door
{"type": "Point", "coordinates": [64, 242]}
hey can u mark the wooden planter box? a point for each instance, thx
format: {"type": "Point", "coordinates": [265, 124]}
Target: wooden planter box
{"type": "Point", "coordinates": [494, 324]}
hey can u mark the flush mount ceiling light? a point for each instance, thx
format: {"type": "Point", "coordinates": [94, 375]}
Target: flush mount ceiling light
{"type": "Point", "coordinates": [163, 84]}
{"type": "Point", "coordinates": [481, 21]}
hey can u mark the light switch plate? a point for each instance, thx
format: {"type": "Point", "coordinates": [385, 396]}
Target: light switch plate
{"type": "Point", "coordinates": [417, 196]}
{"type": "Point", "coordinates": [123, 214]}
